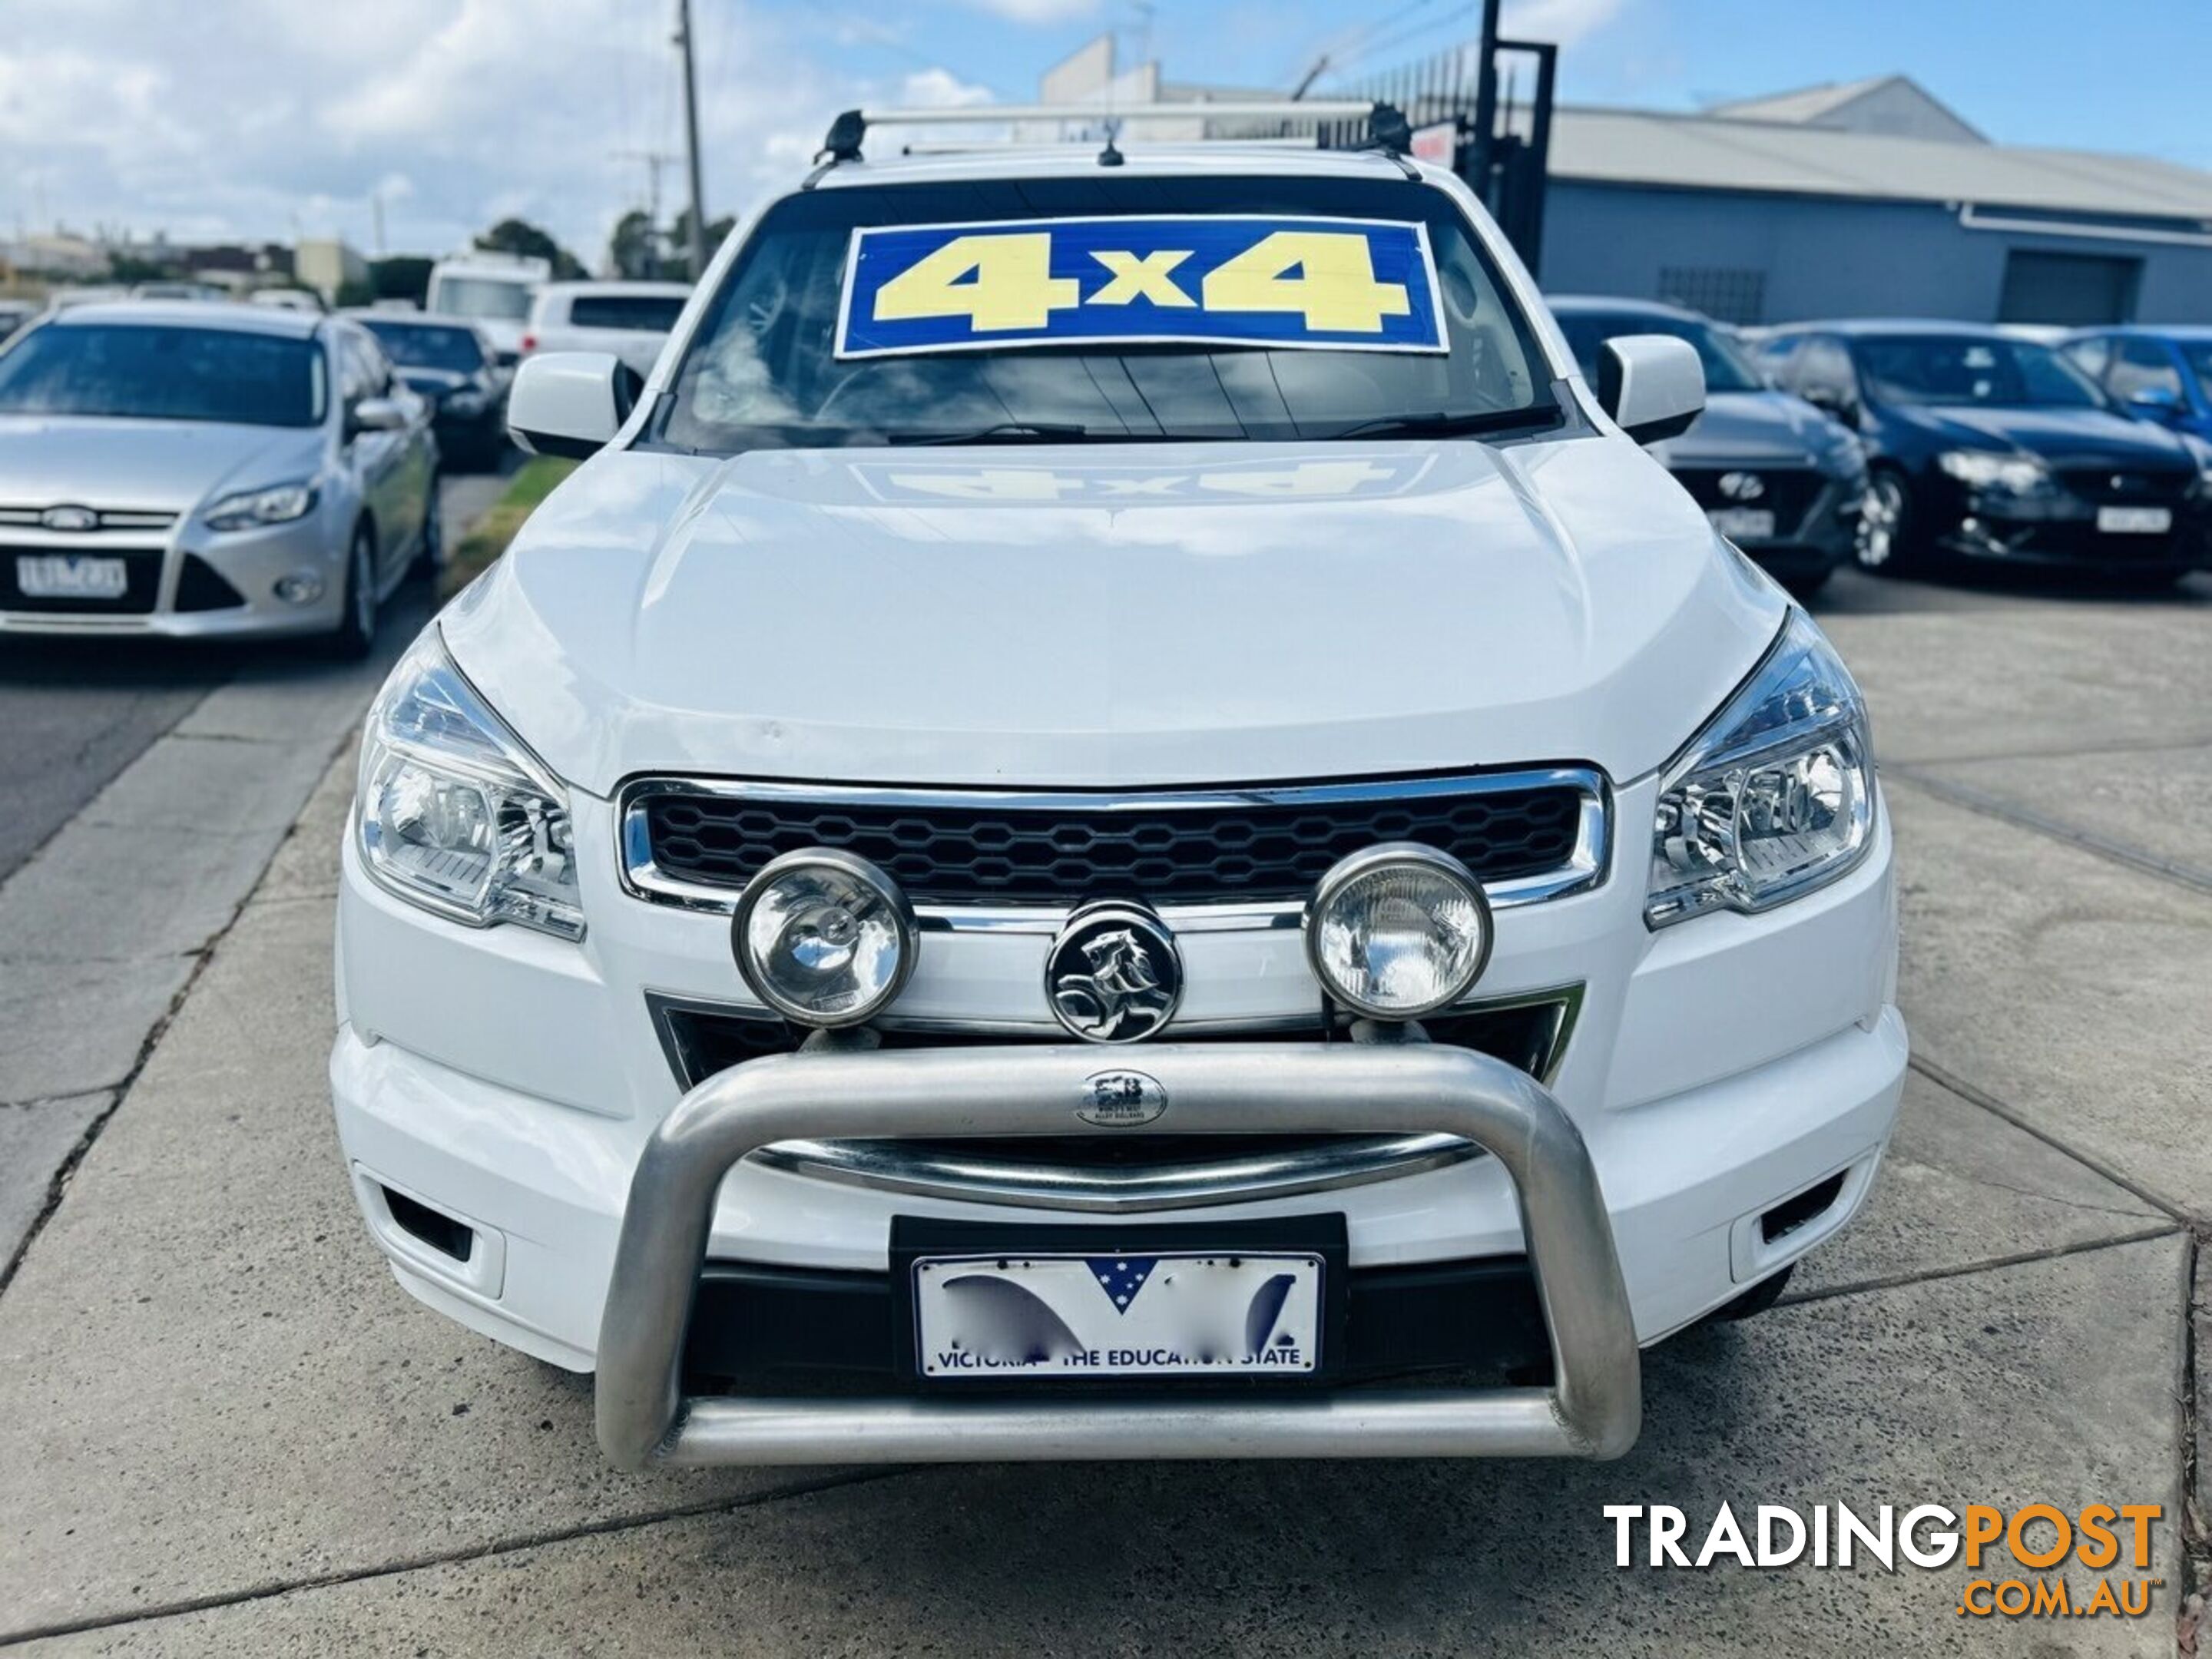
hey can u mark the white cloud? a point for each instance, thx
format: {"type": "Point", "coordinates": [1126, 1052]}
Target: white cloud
{"type": "Point", "coordinates": [262, 118]}
{"type": "Point", "coordinates": [1563, 20]}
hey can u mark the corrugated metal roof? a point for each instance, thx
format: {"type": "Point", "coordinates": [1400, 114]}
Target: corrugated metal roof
{"type": "Point", "coordinates": [1638, 147]}
{"type": "Point", "coordinates": [1804, 104]}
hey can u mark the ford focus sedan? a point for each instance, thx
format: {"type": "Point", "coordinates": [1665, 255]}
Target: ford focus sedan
{"type": "Point", "coordinates": [195, 471]}
{"type": "Point", "coordinates": [1993, 449]}
{"type": "Point", "coordinates": [1774, 475]}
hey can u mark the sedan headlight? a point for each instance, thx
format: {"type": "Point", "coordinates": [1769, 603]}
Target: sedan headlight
{"type": "Point", "coordinates": [467, 403]}
{"type": "Point", "coordinates": [1775, 797]}
{"type": "Point", "coordinates": [453, 813]}
{"type": "Point", "coordinates": [1981, 469]}
{"type": "Point", "coordinates": [251, 508]}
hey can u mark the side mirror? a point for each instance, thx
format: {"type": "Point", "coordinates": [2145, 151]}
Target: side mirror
{"type": "Point", "coordinates": [2154, 403]}
{"type": "Point", "coordinates": [1653, 385]}
{"type": "Point", "coordinates": [376, 415]}
{"type": "Point", "coordinates": [570, 402]}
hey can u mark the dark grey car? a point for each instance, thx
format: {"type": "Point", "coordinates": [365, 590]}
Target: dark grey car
{"type": "Point", "coordinates": [1777, 477]}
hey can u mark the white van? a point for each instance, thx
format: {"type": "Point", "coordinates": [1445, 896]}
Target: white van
{"type": "Point", "coordinates": [630, 319]}
{"type": "Point", "coordinates": [493, 290]}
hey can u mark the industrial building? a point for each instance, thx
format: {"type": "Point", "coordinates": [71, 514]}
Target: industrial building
{"type": "Point", "coordinates": [1867, 198]}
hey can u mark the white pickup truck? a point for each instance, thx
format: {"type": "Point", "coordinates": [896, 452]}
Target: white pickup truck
{"type": "Point", "coordinates": [1119, 805]}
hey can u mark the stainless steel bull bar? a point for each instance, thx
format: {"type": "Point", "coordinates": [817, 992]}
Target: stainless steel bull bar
{"type": "Point", "coordinates": [645, 1420]}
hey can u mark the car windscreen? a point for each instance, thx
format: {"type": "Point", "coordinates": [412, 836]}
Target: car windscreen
{"type": "Point", "coordinates": [481, 296]}
{"type": "Point", "coordinates": [424, 345]}
{"type": "Point", "coordinates": [776, 363]}
{"type": "Point", "coordinates": [1728, 367]}
{"type": "Point", "coordinates": [1970, 370]}
{"type": "Point", "coordinates": [644, 312]}
{"type": "Point", "coordinates": [161, 372]}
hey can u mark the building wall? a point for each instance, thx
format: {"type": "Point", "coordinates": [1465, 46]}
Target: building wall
{"type": "Point", "coordinates": [1781, 258]}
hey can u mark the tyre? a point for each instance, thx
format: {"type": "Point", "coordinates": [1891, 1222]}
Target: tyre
{"type": "Point", "coordinates": [430, 556]}
{"type": "Point", "coordinates": [350, 642]}
{"type": "Point", "coordinates": [1881, 544]}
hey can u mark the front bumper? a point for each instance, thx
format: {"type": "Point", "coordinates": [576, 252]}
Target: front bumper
{"type": "Point", "coordinates": [2062, 533]}
{"type": "Point", "coordinates": [161, 602]}
{"type": "Point", "coordinates": [646, 1420]}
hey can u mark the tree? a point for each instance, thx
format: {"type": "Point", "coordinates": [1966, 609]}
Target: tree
{"type": "Point", "coordinates": [634, 249]}
{"type": "Point", "coordinates": [520, 236]}
{"type": "Point", "coordinates": [679, 239]}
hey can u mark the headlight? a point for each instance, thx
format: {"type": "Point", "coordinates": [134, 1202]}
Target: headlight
{"type": "Point", "coordinates": [1980, 468]}
{"type": "Point", "coordinates": [466, 402]}
{"type": "Point", "coordinates": [248, 508]}
{"type": "Point", "coordinates": [1397, 931]}
{"type": "Point", "coordinates": [454, 813]}
{"type": "Point", "coordinates": [1774, 798]}
{"type": "Point", "coordinates": [824, 937]}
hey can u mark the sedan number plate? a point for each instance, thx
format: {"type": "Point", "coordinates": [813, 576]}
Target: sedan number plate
{"type": "Point", "coordinates": [1744, 524]}
{"type": "Point", "coordinates": [2135, 520]}
{"type": "Point", "coordinates": [1050, 1315]}
{"type": "Point", "coordinates": [70, 576]}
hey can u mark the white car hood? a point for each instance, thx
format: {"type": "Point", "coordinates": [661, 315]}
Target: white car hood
{"type": "Point", "coordinates": [1132, 614]}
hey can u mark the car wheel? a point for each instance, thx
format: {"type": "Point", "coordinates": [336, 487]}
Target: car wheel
{"type": "Point", "coordinates": [1880, 542]}
{"type": "Point", "coordinates": [430, 557]}
{"type": "Point", "coordinates": [350, 642]}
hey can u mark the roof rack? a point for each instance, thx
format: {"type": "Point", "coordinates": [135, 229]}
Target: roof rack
{"type": "Point", "coordinates": [1386, 128]}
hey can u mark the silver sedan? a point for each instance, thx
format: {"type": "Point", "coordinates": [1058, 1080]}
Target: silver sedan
{"type": "Point", "coordinates": [202, 470]}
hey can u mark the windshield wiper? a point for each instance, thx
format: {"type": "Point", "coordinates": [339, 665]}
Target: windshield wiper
{"type": "Point", "coordinates": [1001, 432]}
{"type": "Point", "coordinates": [1443, 424]}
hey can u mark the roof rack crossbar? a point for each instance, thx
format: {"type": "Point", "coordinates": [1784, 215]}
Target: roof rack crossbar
{"type": "Point", "coordinates": [1386, 126]}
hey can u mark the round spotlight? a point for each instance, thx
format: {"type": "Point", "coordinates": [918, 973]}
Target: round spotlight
{"type": "Point", "coordinates": [1397, 931]}
{"type": "Point", "coordinates": [300, 587]}
{"type": "Point", "coordinates": [824, 937]}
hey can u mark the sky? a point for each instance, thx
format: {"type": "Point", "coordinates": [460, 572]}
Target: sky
{"type": "Point", "coordinates": [273, 118]}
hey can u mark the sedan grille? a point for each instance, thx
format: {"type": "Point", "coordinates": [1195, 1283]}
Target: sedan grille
{"type": "Point", "coordinates": [1223, 846]}
{"type": "Point", "coordinates": [2123, 484]}
{"type": "Point", "coordinates": [1786, 492]}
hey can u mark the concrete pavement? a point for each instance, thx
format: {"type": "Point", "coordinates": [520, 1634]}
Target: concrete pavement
{"type": "Point", "coordinates": [223, 1428]}
{"type": "Point", "coordinates": [154, 784]}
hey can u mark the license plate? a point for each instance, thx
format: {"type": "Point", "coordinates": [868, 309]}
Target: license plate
{"type": "Point", "coordinates": [1182, 1314]}
{"type": "Point", "coordinates": [2135, 520]}
{"type": "Point", "coordinates": [70, 576]}
{"type": "Point", "coordinates": [1744, 524]}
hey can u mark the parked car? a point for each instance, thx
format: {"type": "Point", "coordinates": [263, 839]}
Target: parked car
{"type": "Point", "coordinates": [2162, 374]}
{"type": "Point", "coordinates": [203, 293]}
{"type": "Point", "coordinates": [1774, 475]}
{"type": "Point", "coordinates": [630, 319]}
{"type": "Point", "coordinates": [831, 896]}
{"type": "Point", "coordinates": [288, 299]}
{"type": "Point", "coordinates": [196, 470]}
{"type": "Point", "coordinates": [452, 362]}
{"type": "Point", "coordinates": [493, 290]}
{"type": "Point", "coordinates": [1987, 447]}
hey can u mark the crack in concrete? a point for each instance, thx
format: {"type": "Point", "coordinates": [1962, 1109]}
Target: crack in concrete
{"type": "Point", "coordinates": [1989, 1102]}
{"type": "Point", "coordinates": [485, 1551]}
{"type": "Point", "coordinates": [1967, 1269]}
{"type": "Point", "coordinates": [2021, 818]}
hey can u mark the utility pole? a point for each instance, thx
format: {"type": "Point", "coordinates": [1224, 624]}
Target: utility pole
{"type": "Point", "coordinates": [691, 139]}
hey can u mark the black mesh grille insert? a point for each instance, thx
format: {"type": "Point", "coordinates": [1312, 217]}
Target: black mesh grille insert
{"type": "Point", "coordinates": [1786, 492]}
{"type": "Point", "coordinates": [1058, 852]}
{"type": "Point", "coordinates": [201, 586]}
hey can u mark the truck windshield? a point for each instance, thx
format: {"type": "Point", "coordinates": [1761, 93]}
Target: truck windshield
{"type": "Point", "coordinates": [138, 371]}
{"type": "Point", "coordinates": [481, 296]}
{"type": "Point", "coordinates": [779, 360]}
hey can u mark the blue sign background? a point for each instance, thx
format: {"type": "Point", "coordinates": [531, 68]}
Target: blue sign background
{"type": "Point", "coordinates": [1059, 303]}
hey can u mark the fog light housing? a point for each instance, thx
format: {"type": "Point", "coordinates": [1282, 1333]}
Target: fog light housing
{"type": "Point", "coordinates": [1398, 930]}
{"type": "Point", "coordinates": [300, 587]}
{"type": "Point", "coordinates": [824, 937]}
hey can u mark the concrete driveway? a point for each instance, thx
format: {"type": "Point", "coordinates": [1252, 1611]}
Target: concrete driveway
{"type": "Point", "coordinates": [223, 1428]}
